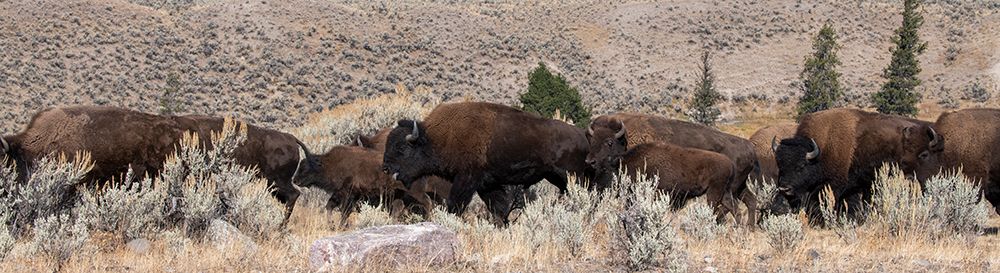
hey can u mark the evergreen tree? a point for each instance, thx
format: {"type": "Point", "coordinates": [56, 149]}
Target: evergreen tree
{"type": "Point", "coordinates": [820, 80]}
{"type": "Point", "coordinates": [548, 92]}
{"type": "Point", "coordinates": [702, 109]}
{"type": "Point", "coordinates": [169, 100]}
{"type": "Point", "coordinates": [898, 95]}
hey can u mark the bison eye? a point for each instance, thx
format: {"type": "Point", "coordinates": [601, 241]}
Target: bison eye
{"type": "Point", "coordinates": [925, 155]}
{"type": "Point", "coordinates": [610, 143]}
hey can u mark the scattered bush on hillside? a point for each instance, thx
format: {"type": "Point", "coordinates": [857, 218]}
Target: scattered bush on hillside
{"type": "Point", "coordinates": [548, 93]}
{"type": "Point", "coordinates": [976, 92]}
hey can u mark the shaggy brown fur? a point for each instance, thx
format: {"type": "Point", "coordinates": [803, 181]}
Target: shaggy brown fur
{"type": "Point", "coordinates": [481, 147]}
{"type": "Point", "coordinates": [852, 144]}
{"type": "Point", "coordinates": [649, 129]}
{"type": "Point", "coordinates": [686, 173]}
{"type": "Point", "coordinates": [352, 174]}
{"type": "Point", "coordinates": [762, 147]}
{"type": "Point", "coordinates": [972, 143]}
{"type": "Point", "coordinates": [116, 139]}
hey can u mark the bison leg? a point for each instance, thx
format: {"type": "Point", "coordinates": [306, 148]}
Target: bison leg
{"type": "Point", "coordinates": [288, 196]}
{"type": "Point", "coordinates": [724, 202]}
{"type": "Point", "coordinates": [462, 189]}
{"type": "Point", "coordinates": [750, 200]}
{"type": "Point", "coordinates": [558, 178]}
{"type": "Point", "coordinates": [347, 207]}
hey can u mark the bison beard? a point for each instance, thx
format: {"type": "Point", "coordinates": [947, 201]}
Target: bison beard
{"type": "Point", "coordinates": [483, 148]}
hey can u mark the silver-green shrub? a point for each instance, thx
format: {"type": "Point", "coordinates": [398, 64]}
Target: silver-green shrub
{"type": "Point", "coordinates": [642, 235]}
{"type": "Point", "coordinates": [133, 210]}
{"type": "Point", "coordinates": [698, 221]}
{"type": "Point", "coordinates": [784, 232]}
{"type": "Point", "coordinates": [898, 205]}
{"type": "Point", "coordinates": [956, 203]}
{"type": "Point", "coordinates": [59, 237]}
{"type": "Point", "coordinates": [372, 216]}
{"type": "Point", "coordinates": [47, 192]}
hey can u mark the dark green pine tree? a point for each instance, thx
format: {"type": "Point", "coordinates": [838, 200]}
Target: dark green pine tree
{"type": "Point", "coordinates": [820, 80]}
{"type": "Point", "coordinates": [898, 94]}
{"type": "Point", "coordinates": [703, 107]}
{"type": "Point", "coordinates": [548, 92]}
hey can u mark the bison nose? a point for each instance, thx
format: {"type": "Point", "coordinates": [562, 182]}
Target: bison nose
{"type": "Point", "coordinates": [385, 170]}
{"type": "Point", "coordinates": [589, 161]}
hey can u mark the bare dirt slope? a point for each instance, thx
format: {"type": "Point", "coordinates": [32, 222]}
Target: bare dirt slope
{"type": "Point", "coordinates": [274, 61]}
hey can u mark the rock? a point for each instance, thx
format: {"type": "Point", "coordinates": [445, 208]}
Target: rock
{"type": "Point", "coordinates": [395, 245]}
{"type": "Point", "coordinates": [813, 254]}
{"type": "Point", "coordinates": [711, 269]}
{"type": "Point", "coordinates": [225, 236]}
{"type": "Point", "coordinates": [921, 262]}
{"type": "Point", "coordinates": [138, 246]}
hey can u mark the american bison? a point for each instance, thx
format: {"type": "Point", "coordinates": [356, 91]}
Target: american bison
{"type": "Point", "coordinates": [763, 141]}
{"type": "Point", "coordinates": [972, 143]}
{"type": "Point", "coordinates": [275, 153]}
{"type": "Point", "coordinates": [603, 132]}
{"type": "Point", "coordinates": [684, 173]}
{"type": "Point", "coordinates": [119, 139]}
{"type": "Point", "coordinates": [481, 147]}
{"type": "Point", "coordinates": [843, 147]}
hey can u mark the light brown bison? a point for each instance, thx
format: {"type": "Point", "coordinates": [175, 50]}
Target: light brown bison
{"type": "Point", "coordinates": [843, 147]}
{"type": "Point", "coordinates": [763, 140]}
{"type": "Point", "coordinates": [481, 147]}
{"type": "Point", "coordinates": [972, 143]}
{"type": "Point", "coordinates": [684, 173]}
{"type": "Point", "coordinates": [607, 133]}
{"type": "Point", "coordinates": [351, 175]}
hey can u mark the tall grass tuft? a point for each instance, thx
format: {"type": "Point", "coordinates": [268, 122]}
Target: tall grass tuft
{"type": "Point", "coordinates": [641, 228]}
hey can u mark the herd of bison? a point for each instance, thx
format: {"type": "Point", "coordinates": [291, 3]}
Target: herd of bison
{"type": "Point", "coordinates": [497, 151]}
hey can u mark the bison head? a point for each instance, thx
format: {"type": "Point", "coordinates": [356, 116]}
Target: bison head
{"type": "Point", "coordinates": [799, 168]}
{"type": "Point", "coordinates": [408, 153]}
{"type": "Point", "coordinates": [919, 150]}
{"type": "Point", "coordinates": [607, 145]}
{"type": "Point", "coordinates": [309, 171]}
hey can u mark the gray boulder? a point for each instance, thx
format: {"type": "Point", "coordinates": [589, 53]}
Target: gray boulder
{"type": "Point", "coordinates": [138, 246]}
{"type": "Point", "coordinates": [395, 245]}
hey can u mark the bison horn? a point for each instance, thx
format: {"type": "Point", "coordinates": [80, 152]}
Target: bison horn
{"type": "Point", "coordinates": [415, 134]}
{"type": "Point", "coordinates": [621, 132]}
{"type": "Point", "coordinates": [774, 144]}
{"type": "Point", "coordinates": [5, 145]}
{"type": "Point", "coordinates": [935, 138]}
{"type": "Point", "coordinates": [815, 152]}
{"type": "Point", "coordinates": [590, 130]}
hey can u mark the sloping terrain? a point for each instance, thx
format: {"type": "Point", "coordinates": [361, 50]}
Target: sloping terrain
{"type": "Point", "coordinates": [272, 62]}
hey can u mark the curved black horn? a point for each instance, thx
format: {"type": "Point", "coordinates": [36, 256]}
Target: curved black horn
{"type": "Point", "coordinates": [590, 130]}
{"type": "Point", "coordinates": [5, 145]}
{"type": "Point", "coordinates": [815, 152]}
{"type": "Point", "coordinates": [415, 134]}
{"type": "Point", "coordinates": [774, 144]}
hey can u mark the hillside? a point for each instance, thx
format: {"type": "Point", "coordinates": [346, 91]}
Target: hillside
{"type": "Point", "coordinates": [273, 62]}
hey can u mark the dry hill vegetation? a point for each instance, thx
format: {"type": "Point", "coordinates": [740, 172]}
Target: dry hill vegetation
{"type": "Point", "coordinates": [949, 230]}
{"type": "Point", "coordinates": [272, 62]}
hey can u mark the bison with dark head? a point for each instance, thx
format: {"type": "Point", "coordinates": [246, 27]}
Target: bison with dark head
{"type": "Point", "coordinates": [481, 147]}
{"type": "Point", "coordinates": [607, 138]}
{"type": "Point", "coordinates": [843, 147]}
{"type": "Point", "coordinates": [973, 145]}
